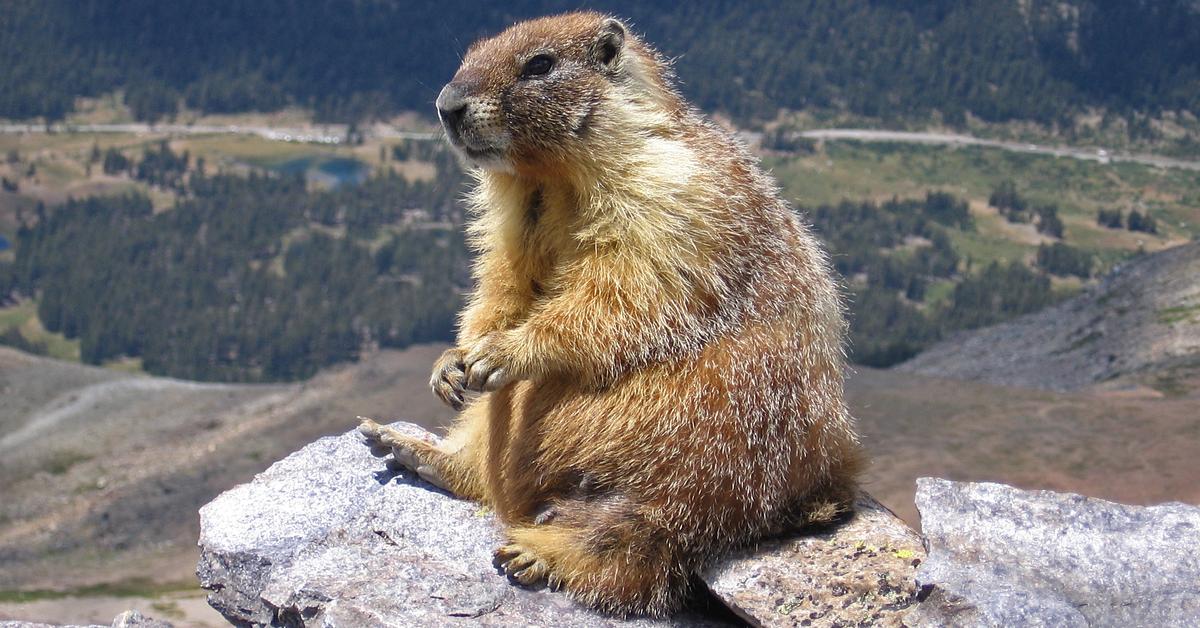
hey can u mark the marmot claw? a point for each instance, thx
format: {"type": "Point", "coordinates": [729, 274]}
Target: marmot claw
{"type": "Point", "coordinates": [522, 565]}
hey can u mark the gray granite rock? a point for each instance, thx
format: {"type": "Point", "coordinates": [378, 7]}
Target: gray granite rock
{"type": "Point", "coordinates": [332, 536]}
{"type": "Point", "coordinates": [252, 531]}
{"type": "Point", "coordinates": [1000, 556]}
{"type": "Point", "coordinates": [859, 573]}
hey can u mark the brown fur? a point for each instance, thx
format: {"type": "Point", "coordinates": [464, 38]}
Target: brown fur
{"type": "Point", "coordinates": [659, 337]}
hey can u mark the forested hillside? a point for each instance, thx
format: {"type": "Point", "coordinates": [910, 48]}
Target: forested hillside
{"type": "Point", "coordinates": [260, 278]}
{"type": "Point", "coordinates": [247, 278]}
{"type": "Point", "coordinates": [1040, 60]}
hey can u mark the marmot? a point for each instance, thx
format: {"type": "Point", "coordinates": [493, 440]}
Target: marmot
{"type": "Point", "coordinates": [658, 339]}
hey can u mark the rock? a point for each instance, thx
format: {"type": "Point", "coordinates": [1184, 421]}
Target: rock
{"type": "Point", "coordinates": [135, 619]}
{"type": "Point", "coordinates": [1000, 556]}
{"type": "Point", "coordinates": [858, 573]}
{"type": "Point", "coordinates": [128, 619]}
{"type": "Point", "coordinates": [333, 536]}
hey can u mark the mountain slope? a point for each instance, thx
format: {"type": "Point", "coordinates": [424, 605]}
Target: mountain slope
{"type": "Point", "coordinates": [1143, 320]}
{"type": "Point", "coordinates": [1133, 447]}
{"type": "Point", "coordinates": [103, 472]}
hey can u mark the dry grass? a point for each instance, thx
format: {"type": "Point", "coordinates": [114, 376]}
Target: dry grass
{"type": "Point", "coordinates": [23, 317]}
{"type": "Point", "coordinates": [1133, 446]}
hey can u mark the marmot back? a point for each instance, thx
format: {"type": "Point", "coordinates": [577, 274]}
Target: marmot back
{"type": "Point", "coordinates": [657, 339]}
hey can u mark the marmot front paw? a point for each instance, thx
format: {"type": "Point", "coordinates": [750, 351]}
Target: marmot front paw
{"type": "Point", "coordinates": [487, 367]}
{"type": "Point", "coordinates": [449, 378]}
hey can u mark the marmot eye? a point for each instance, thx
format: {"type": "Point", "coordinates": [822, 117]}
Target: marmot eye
{"type": "Point", "coordinates": [537, 66]}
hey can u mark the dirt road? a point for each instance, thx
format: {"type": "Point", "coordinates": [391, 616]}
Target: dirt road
{"type": "Point", "coordinates": [336, 134]}
{"type": "Point", "coordinates": [952, 139]}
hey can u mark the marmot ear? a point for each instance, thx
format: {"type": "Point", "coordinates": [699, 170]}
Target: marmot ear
{"type": "Point", "coordinates": [610, 42]}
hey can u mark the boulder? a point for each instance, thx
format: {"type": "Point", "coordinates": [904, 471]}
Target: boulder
{"type": "Point", "coordinates": [334, 536]}
{"type": "Point", "coordinates": [1001, 556]}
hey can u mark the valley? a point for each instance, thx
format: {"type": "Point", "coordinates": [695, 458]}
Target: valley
{"type": "Point", "coordinates": [104, 471]}
{"type": "Point", "coordinates": [105, 466]}
{"type": "Point", "coordinates": [83, 158]}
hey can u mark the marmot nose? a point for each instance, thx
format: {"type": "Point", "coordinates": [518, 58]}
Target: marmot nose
{"type": "Point", "coordinates": [451, 106]}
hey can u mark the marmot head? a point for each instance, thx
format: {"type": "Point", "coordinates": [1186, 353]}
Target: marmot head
{"type": "Point", "coordinates": [532, 97]}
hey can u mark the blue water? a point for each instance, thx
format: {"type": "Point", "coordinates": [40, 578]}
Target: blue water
{"type": "Point", "coordinates": [345, 170]}
{"type": "Point", "coordinates": [333, 171]}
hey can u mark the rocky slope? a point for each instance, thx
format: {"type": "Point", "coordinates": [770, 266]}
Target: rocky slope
{"type": "Point", "coordinates": [1141, 322]}
{"type": "Point", "coordinates": [999, 556]}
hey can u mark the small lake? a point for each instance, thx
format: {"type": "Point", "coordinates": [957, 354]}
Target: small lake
{"type": "Point", "coordinates": [326, 170]}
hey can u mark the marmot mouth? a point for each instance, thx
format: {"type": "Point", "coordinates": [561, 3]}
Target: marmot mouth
{"type": "Point", "coordinates": [481, 154]}
{"type": "Point", "coordinates": [484, 156]}
{"type": "Point", "coordinates": [455, 136]}
{"type": "Point", "coordinates": [472, 153]}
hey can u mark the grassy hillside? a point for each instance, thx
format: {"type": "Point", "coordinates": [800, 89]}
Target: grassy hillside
{"type": "Point", "coordinates": [20, 319]}
{"type": "Point", "coordinates": [841, 170]}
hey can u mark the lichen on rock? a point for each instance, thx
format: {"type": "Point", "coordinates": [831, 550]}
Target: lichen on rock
{"type": "Point", "coordinates": [860, 572]}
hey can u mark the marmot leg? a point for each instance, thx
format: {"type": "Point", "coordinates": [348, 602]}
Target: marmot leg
{"type": "Point", "coordinates": [448, 465]}
{"type": "Point", "coordinates": [604, 554]}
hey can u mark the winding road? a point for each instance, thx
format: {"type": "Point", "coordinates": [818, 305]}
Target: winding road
{"type": "Point", "coordinates": [336, 134]}
{"type": "Point", "coordinates": [951, 139]}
